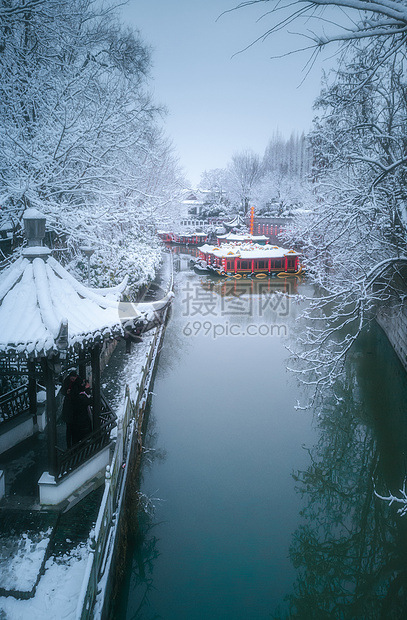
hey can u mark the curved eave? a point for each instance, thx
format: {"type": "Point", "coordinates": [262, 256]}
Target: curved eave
{"type": "Point", "coordinates": [41, 348]}
{"type": "Point", "coordinates": [39, 297]}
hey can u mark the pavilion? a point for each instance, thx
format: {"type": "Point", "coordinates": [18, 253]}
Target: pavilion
{"type": "Point", "coordinates": [51, 323]}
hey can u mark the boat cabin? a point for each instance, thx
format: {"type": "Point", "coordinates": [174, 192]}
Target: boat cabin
{"type": "Point", "coordinates": [241, 238]}
{"type": "Point", "coordinates": [249, 258]}
{"type": "Point", "coordinates": [185, 238]}
{"type": "Point", "coordinates": [167, 237]}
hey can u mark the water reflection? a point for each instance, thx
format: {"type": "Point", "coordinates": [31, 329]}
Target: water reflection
{"type": "Point", "coordinates": [146, 552]}
{"type": "Point", "coordinates": [348, 548]}
{"type": "Point", "coordinates": [143, 536]}
{"type": "Point", "coordinates": [350, 551]}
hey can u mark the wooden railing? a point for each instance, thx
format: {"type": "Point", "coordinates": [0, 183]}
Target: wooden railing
{"type": "Point", "coordinates": [14, 403]}
{"type": "Point", "coordinates": [102, 539]}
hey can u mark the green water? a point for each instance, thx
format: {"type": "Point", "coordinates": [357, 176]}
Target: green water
{"type": "Point", "coordinates": [261, 510]}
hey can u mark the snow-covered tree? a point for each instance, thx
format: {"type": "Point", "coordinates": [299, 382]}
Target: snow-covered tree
{"type": "Point", "coordinates": [245, 174]}
{"type": "Point", "coordinates": [355, 237]}
{"type": "Point", "coordinates": [79, 132]}
{"type": "Point", "coordinates": [287, 158]}
{"type": "Point", "coordinates": [216, 183]}
{"type": "Point", "coordinates": [286, 165]}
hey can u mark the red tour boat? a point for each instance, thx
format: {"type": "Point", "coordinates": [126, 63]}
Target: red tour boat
{"type": "Point", "coordinates": [245, 259]}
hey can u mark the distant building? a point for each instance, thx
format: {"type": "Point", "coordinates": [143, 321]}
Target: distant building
{"type": "Point", "coordinates": [271, 227]}
{"type": "Point", "coordinates": [193, 203]}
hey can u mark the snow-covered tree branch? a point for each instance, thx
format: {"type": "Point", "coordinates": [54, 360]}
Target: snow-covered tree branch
{"type": "Point", "coordinates": [337, 20]}
{"type": "Point", "coordinates": [354, 232]}
{"type": "Point", "coordinates": [80, 134]}
{"type": "Point", "coordinates": [400, 500]}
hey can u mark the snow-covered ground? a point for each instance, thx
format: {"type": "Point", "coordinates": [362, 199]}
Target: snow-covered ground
{"type": "Point", "coordinates": [57, 593]}
{"type": "Point", "coordinates": [21, 558]}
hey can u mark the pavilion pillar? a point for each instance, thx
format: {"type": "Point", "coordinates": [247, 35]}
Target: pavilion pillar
{"type": "Point", "coordinates": [32, 390]}
{"type": "Point", "coordinates": [82, 365]}
{"type": "Point", "coordinates": [48, 368]}
{"type": "Point", "coordinates": [97, 402]}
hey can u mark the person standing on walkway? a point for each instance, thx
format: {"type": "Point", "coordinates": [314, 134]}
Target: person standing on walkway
{"type": "Point", "coordinates": [83, 413]}
{"type": "Point", "coordinates": [70, 391]}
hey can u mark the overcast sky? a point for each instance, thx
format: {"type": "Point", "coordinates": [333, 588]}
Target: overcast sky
{"type": "Point", "coordinates": [221, 101]}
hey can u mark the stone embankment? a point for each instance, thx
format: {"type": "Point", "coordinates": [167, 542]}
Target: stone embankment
{"type": "Point", "coordinates": [393, 321]}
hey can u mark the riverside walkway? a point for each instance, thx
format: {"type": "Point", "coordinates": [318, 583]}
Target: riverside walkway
{"type": "Point", "coordinates": [43, 552]}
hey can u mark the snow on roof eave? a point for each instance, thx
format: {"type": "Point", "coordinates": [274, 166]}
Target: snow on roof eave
{"type": "Point", "coordinates": [116, 291]}
{"type": "Point", "coordinates": [237, 236]}
{"type": "Point", "coordinates": [139, 311]}
{"type": "Point", "coordinates": [81, 289]}
{"type": "Point", "coordinates": [30, 350]}
{"type": "Point", "coordinates": [83, 341]}
{"type": "Point", "coordinates": [158, 305]}
{"type": "Point", "coordinates": [236, 219]}
{"type": "Point", "coordinates": [40, 296]}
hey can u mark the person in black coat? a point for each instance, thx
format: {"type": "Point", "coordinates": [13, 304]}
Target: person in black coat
{"type": "Point", "coordinates": [70, 389]}
{"type": "Point", "coordinates": [83, 414]}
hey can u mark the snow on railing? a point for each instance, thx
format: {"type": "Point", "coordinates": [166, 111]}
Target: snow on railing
{"type": "Point", "coordinates": [102, 538]}
{"type": "Point", "coordinates": [170, 282]}
{"type": "Point", "coordinates": [99, 536]}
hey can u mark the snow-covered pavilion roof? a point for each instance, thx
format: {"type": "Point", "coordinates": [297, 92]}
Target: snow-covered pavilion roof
{"type": "Point", "coordinates": [235, 221]}
{"type": "Point", "coordinates": [43, 308]}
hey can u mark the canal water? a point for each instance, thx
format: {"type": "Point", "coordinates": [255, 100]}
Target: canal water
{"type": "Point", "coordinates": [254, 508]}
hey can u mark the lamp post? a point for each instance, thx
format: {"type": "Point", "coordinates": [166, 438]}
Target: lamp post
{"type": "Point", "coordinates": [88, 251]}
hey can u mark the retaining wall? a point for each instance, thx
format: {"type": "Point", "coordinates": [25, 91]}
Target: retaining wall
{"type": "Point", "coordinates": [393, 321]}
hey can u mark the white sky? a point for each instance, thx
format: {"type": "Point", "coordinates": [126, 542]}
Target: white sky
{"type": "Point", "coordinates": [218, 103]}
